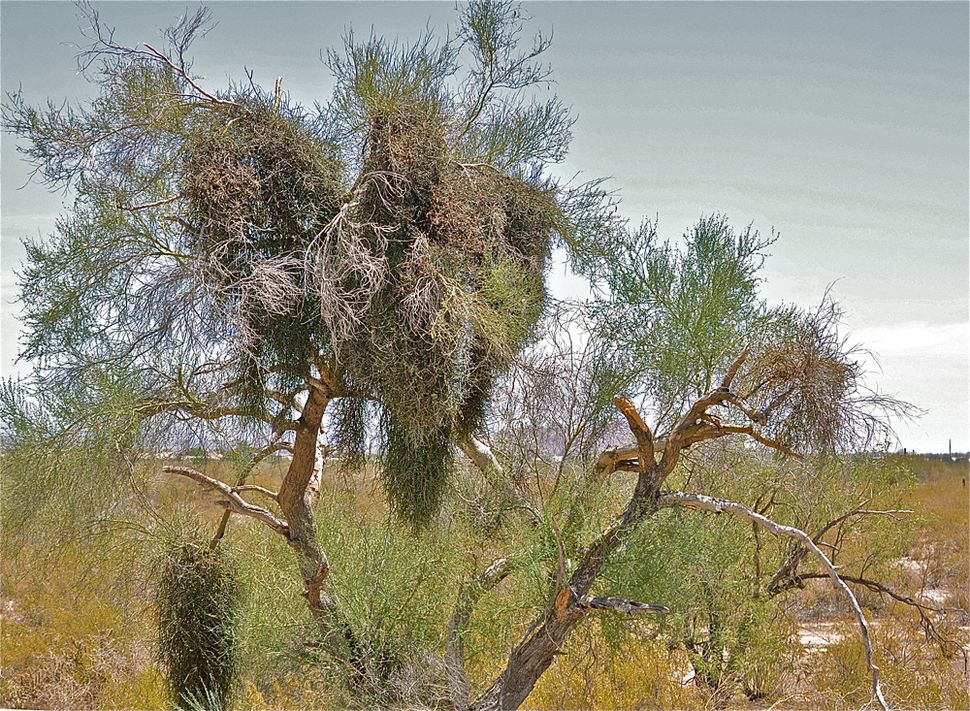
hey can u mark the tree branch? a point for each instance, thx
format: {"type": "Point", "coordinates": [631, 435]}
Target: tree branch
{"type": "Point", "coordinates": [789, 568]}
{"type": "Point", "coordinates": [204, 411]}
{"type": "Point", "coordinates": [699, 501]}
{"type": "Point", "coordinates": [733, 369]}
{"type": "Point", "coordinates": [258, 489]}
{"type": "Point", "coordinates": [459, 685]}
{"type": "Point", "coordinates": [620, 605]}
{"type": "Point", "coordinates": [275, 445]}
{"type": "Point", "coordinates": [149, 205]}
{"type": "Point", "coordinates": [762, 439]}
{"type": "Point", "coordinates": [234, 502]}
{"type": "Point", "coordinates": [947, 646]}
{"type": "Point", "coordinates": [485, 460]}
{"type": "Point", "coordinates": [642, 434]}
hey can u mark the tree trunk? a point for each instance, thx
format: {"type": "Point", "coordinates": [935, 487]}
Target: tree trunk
{"type": "Point", "coordinates": [542, 643]}
{"type": "Point", "coordinates": [528, 661]}
{"type": "Point", "coordinates": [297, 498]}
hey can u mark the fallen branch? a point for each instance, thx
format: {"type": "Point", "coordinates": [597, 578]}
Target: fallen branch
{"type": "Point", "coordinates": [699, 501]}
{"type": "Point", "coordinates": [947, 646]}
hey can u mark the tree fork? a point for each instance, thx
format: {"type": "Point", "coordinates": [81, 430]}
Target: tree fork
{"type": "Point", "coordinates": [570, 603]}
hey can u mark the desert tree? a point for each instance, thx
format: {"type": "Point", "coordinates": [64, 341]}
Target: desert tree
{"type": "Point", "coordinates": [238, 264]}
{"type": "Point", "coordinates": [679, 334]}
{"type": "Point", "coordinates": [307, 280]}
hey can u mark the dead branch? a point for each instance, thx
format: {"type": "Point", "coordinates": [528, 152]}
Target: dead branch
{"type": "Point", "coordinates": [699, 501]}
{"type": "Point", "coordinates": [789, 568]}
{"type": "Point", "coordinates": [762, 439]}
{"type": "Point", "coordinates": [258, 489]}
{"type": "Point", "coordinates": [149, 205]}
{"type": "Point", "coordinates": [642, 434]}
{"type": "Point", "coordinates": [234, 502]}
{"type": "Point", "coordinates": [948, 646]}
{"type": "Point", "coordinates": [626, 458]}
{"type": "Point", "coordinates": [756, 416]}
{"type": "Point", "coordinates": [733, 369]}
{"type": "Point", "coordinates": [620, 605]}
{"type": "Point", "coordinates": [488, 464]}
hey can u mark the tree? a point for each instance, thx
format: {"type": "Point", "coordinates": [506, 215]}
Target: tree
{"type": "Point", "coordinates": [233, 257]}
{"type": "Point", "coordinates": [237, 266]}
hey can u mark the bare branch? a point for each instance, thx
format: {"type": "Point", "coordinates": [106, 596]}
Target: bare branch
{"type": "Point", "coordinates": [790, 567]}
{"type": "Point", "coordinates": [181, 70]}
{"type": "Point", "coordinates": [699, 501]}
{"type": "Point", "coordinates": [194, 407]}
{"type": "Point", "coordinates": [258, 489]}
{"type": "Point", "coordinates": [762, 439]}
{"type": "Point", "coordinates": [620, 605]}
{"type": "Point", "coordinates": [644, 438]}
{"type": "Point", "coordinates": [947, 646]}
{"type": "Point", "coordinates": [733, 369]}
{"type": "Point", "coordinates": [149, 205]}
{"type": "Point", "coordinates": [485, 460]}
{"type": "Point", "coordinates": [275, 445]}
{"type": "Point", "coordinates": [756, 416]}
{"type": "Point", "coordinates": [234, 502]}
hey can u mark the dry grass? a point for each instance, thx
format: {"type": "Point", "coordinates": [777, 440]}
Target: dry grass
{"type": "Point", "coordinates": [65, 647]}
{"type": "Point", "coordinates": [67, 644]}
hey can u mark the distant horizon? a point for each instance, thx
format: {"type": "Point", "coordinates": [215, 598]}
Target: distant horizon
{"type": "Point", "coordinates": [844, 126]}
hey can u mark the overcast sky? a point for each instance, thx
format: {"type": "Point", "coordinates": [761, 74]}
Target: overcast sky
{"type": "Point", "coordinates": [842, 125]}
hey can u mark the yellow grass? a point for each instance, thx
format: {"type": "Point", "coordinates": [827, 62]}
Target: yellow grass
{"type": "Point", "coordinates": [64, 646]}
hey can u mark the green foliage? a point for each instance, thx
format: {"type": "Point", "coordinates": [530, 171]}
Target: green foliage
{"type": "Point", "coordinates": [53, 493]}
{"type": "Point", "coordinates": [416, 472]}
{"type": "Point", "coordinates": [693, 306]}
{"type": "Point", "coordinates": [396, 590]}
{"type": "Point", "coordinates": [197, 603]}
{"type": "Point", "coordinates": [258, 188]}
{"type": "Point", "coordinates": [224, 242]}
{"type": "Point", "coordinates": [697, 309]}
{"type": "Point", "coordinates": [397, 593]}
{"type": "Point", "coordinates": [700, 568]}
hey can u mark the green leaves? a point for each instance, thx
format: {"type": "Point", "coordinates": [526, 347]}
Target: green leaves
{"type": "Point", "coordinates": [678, 314]}
{"type": "Point", "coordinates": [197, 603]}
{"type": "Point", "coordinates": [68, 458]}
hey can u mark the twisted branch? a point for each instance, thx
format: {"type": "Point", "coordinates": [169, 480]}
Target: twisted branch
{"type": "Point", "coordinates": [699, 501]}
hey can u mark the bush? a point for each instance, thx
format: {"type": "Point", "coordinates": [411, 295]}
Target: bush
{"type": "Point", "coordinates": [197, 604]}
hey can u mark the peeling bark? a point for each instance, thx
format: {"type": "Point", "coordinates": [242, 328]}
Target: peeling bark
{"type": "Point", "coordinates": [297, 497]}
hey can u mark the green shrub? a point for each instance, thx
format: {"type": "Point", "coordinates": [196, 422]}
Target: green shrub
{"type": "Point", "coordinates": [197, 604]}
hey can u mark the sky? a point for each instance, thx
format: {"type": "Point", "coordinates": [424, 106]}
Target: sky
{"type": "Point", "coordinates": [843, 126]}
